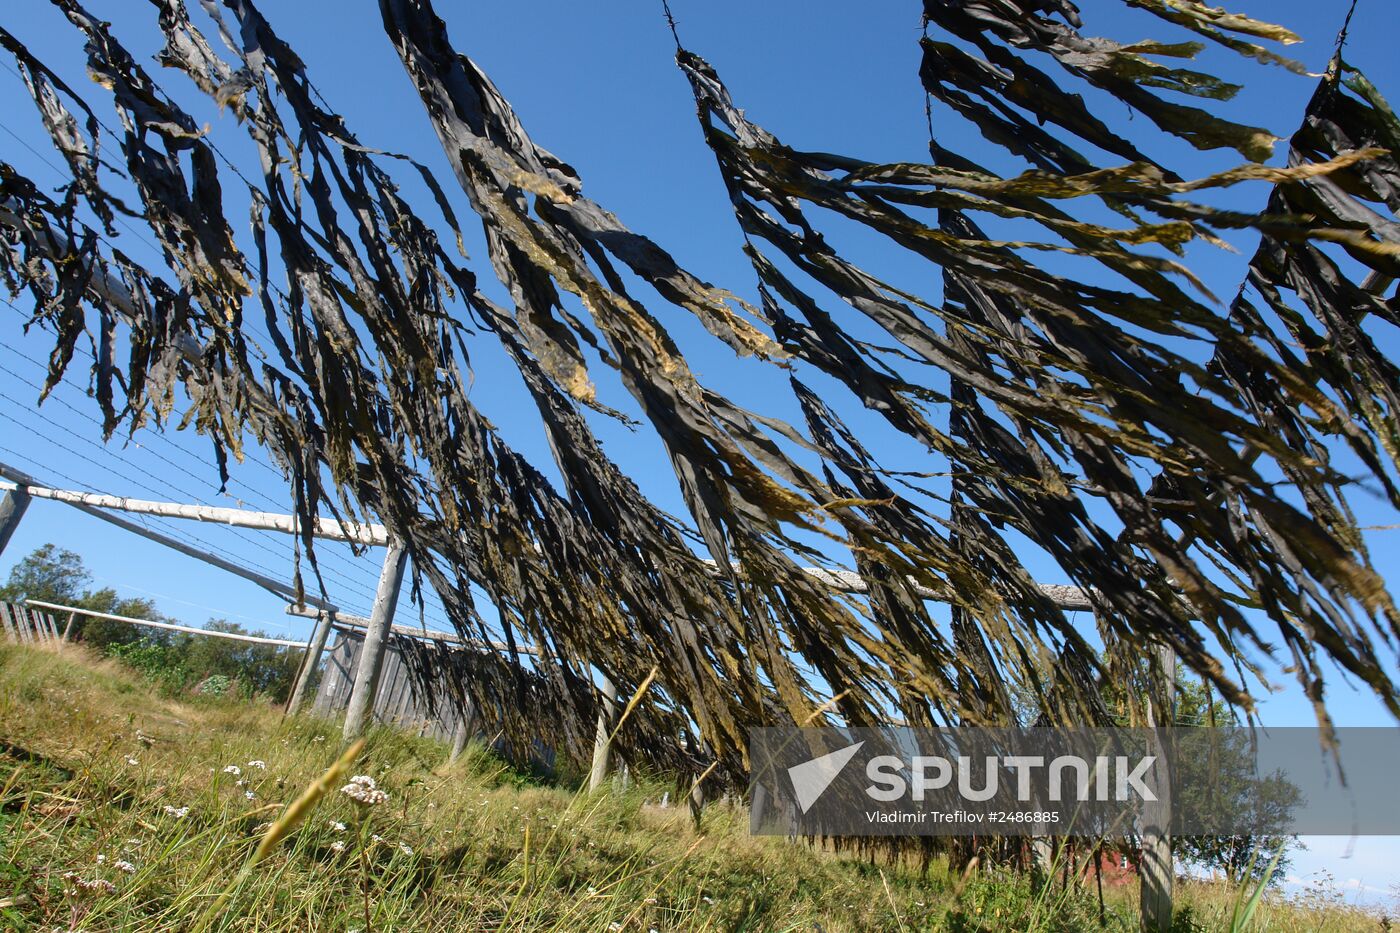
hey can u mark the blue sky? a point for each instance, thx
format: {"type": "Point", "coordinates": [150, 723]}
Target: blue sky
{"type": "Point", "coordinates": [596, 85]}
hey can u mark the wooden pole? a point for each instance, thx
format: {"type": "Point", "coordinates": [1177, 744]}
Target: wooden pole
{"type": "Point", "coordinates": [169, 626]}
{"type": "Point", "coordinates": [12, 508]}
{"type": "Point", "coordinates": [68, 629]}
{"type": "Point", "coordinates": [357, 532]}
{"type": "Point", "coordinates": [1156, 871]}
{"type": "Point", "coordinates": [311, 660]}
{"type": "Point", "coordinates": [602, 740]}
{"type": "Point", "coordinates": [1070, 598]}
{"type": "Point", "coordinates": [25, 483]}
{"type": "Point", "coordinates": [371, 665]}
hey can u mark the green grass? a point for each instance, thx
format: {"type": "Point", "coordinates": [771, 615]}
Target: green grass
{"type": "Point", "coordinates": [447, 851]}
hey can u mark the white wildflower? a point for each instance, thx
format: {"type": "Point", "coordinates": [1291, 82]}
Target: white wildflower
{"type": "Point", "coordinates": [376, 838]}
{"type": "Point", "coordinates": [250, 795]}
{"type": "Point", "coordinates": [132, 760]}
{"type": "Point", "coordinates": [405, 849]}
{"type": "Point", "coordinates": [258, 763]}
{"type": "Point", "coordinates": [239, 783]}
{"type": "Point", "coordinates": [336, 825]}
{"type": "Point", "coordinates": [337, 847]}
{"type": "Point", "coordinates": [178, 812]}
{"type": "Point", "coordinates": [233, 769]}
{"type": "Point", "coordinates": [88, 885]}
{"type": "Point", "coordinates": [124, 865]}
{"type": "Point", "coordinates": [363, 791]}
{"type": "Point", "coordinates": [101, 858]}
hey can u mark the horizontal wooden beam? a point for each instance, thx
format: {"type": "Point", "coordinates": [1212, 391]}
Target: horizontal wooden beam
{"type": "Point", "coordinates": [329, 528]}
{"type": "Point", "coordinates": [1070, 598]}
{"type": "Point", "coordinates": [22, 481]}
{"type": "Point", "coordinates": [349, 623]}
{"type": "Point", "coordinates": [257, 639]}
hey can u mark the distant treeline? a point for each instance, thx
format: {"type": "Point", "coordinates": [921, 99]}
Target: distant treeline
{"type": "Point", "coordinates": [177, 662]}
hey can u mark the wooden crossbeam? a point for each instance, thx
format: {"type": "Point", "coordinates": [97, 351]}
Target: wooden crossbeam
{"type": "Point", "coordinates": [234, 636]}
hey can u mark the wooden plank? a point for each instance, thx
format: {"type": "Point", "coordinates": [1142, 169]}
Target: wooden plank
{"type": "Point", "coordinates": [10, 634]}
{"type": "Point", "coordinates": [338, 667]}
{"type": "Point", "coordinates": [166, 625]}
{"type": "Point", "coordinates": [403, 698]}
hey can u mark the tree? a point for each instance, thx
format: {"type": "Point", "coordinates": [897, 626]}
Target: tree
{"type": "Point", "coordinates": [263, 669]}
{"type": "Point", "coordinates": [1219, 778]}
{"type": "Point", "coordinates": [103, 633]}
{"type": "Point", "coordinates": [57, 575]}
{"type": "Point", "coordinates": [49, 573]}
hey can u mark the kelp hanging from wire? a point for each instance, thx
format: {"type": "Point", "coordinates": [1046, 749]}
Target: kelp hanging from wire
{"type": "Point", "coordinates": [1011, 331]}
{"type": "Point", "coordinates": [1070, 409]}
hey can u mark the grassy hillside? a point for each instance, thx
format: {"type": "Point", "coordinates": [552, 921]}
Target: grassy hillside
{"type": "Point", "coordinates": [124, 810]}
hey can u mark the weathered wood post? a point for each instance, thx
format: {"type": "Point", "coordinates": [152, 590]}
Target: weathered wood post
{"type": "Point", "coordinates": [68, 629]}
{"type": "Point", "coordinates": [12, 508]}
{"type": "Point", "coordinates": [459, 740]}
{"type": "Point", "coordinates": [311, 659]}
{"type": "Point", "coordinates": [602, 740]}
{"type": "Point", "coordinates": [371, 665]}
{"type": "Point", "coordinates": [1156, 871]}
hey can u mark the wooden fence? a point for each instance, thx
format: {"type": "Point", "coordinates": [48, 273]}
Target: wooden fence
{"type": "Point", "coordinates": [25, 626]}
{"type": "Point", "coordinates": [397, 704]}
{"type": "Point", "coordinates": [394, 702]}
